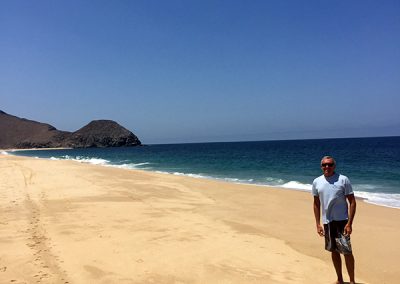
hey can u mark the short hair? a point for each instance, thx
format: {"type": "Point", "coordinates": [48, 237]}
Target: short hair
{"type": "Point", "coordinates": [330, 158]}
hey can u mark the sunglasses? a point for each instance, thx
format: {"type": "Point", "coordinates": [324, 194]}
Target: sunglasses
{"type": "Point", "coordinates": [327, 165]}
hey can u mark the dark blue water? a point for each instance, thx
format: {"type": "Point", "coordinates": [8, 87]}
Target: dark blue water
{"type": "Point", "coordinates": [372, 164]}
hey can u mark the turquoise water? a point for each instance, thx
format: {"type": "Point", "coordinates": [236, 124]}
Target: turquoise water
{"type": "Point", "coordinates": [372, 164]}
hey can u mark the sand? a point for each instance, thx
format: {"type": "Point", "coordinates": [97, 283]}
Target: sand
{"type": "Point", "coordinates": [66, 222]}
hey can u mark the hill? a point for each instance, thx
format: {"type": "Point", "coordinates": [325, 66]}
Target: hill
{"type": "Point", "coordinates": [22, 133]}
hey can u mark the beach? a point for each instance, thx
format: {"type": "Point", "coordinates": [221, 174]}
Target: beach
{"type": "Point", "coordinates": [68, 222]}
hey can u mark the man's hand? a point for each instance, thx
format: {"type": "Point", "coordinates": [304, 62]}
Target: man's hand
{"type": "Point", "coordinates": [320, 230]}
{"type": "Point", "coordinates": [348, 230]}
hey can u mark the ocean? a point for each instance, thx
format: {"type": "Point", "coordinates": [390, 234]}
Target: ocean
{"type": "Point", "coordinates": [372, 164]}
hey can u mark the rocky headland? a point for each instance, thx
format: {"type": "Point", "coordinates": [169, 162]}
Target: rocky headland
{"type": "Point", "coordinates": [21, 133]}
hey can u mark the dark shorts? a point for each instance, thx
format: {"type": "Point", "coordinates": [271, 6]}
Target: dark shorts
{"type": "Point", "coordinates": [332, 231]}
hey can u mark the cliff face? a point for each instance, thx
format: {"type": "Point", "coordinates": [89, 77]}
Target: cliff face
{"type": "Point", "coordinates": [22, 133]}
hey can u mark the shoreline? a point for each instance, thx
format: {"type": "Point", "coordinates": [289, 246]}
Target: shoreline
{"type": "Point", "coordinates": [89, 223]}
{"type": "Point", "coordinates": [32, 149]}
{"type": "Point", "coordinates": [196, 176]}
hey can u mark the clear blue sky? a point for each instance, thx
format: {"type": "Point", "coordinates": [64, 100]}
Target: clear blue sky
{"type": "Point", "coordinates": [187, 71]}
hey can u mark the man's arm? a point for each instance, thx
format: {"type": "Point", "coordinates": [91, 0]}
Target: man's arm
{"type": "Point", "coordinates": [317, 214]}
{"type": "Point", "coordinates": [352, 212]}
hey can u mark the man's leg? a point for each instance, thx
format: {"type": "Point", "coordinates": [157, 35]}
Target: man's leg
{"type": "Point", "coordinates": [337, 263]}
{"type": "Point", "coordinates": [349, 258]}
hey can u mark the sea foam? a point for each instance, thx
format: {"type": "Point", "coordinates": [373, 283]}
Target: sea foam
{"type": "Point", "coordinates": [383, 199]}
{"type": "Point", "coordinates": [132, 166]}
{"type": "Point", "coordinates": [80, 159]}
{"type": "Point", "coordinates": [297, 185]}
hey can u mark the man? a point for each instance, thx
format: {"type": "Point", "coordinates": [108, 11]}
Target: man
{"type": "Point", "coordinates": [330, 192]}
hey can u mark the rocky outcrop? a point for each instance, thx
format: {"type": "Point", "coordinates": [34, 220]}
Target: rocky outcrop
{"type": "Point", "coordinates": [102, 133]}
{"type": "Point", "coordinates": [22, 133]}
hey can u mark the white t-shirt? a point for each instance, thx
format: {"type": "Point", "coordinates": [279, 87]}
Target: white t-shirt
{"type": "Point", "coordinates": [332, 193]}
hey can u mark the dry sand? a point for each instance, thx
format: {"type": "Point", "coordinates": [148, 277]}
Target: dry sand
{"type": "Point", "coordinates": [65, 222]}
